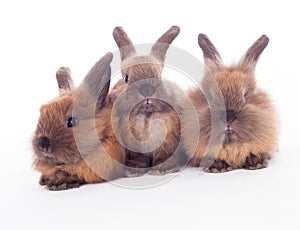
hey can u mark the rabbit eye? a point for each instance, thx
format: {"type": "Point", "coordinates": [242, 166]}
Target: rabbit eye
{"type": "Point", "coordinates": [246, 96]}
{"type": "Point", "coordinates": [71, 122]}
{"type": "Point", "coordinates": [126, 78]}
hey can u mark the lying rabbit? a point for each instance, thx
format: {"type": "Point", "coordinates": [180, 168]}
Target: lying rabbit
{"type": "Point", "coordinates": [65, 151]}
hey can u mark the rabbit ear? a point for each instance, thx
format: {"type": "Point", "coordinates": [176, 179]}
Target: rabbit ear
{"type": "Point", "coordinates": [160, 48]}
{"type": "Point", "coordinates": [212, 58]}
{"type": "Point", "coordinates": [64, 80]}
{"type": "Point", "coordinates": [124, 43]}
{"type": "Point", "coordinates": [249, 60]}
{"type": "Point", "coordinates": [95, 85]}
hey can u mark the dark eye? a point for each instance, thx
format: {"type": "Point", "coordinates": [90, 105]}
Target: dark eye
{"type": "Point", "coordinates": [246, 96]}
{"type": "Point", "coordinates": [126, 78]}
{"type": "Point", "coordinates": [71, 122]}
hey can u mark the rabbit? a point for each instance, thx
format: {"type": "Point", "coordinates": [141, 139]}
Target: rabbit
{"type": "Point", "coordinates": [65, 151]}
{"type": "Point", "coordinates": [148, 108]}
{"type": "Point", "coordinates": [245, 129]}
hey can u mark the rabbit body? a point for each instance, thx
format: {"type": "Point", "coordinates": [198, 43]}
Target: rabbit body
{"type": "Point", "coordinates": [78, 112]}
{"type": "Point", "coordinates": [148, 108]}
{"type": "Point", "coordinates": [245, 121]}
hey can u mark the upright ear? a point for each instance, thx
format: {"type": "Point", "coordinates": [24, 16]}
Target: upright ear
{"type": "Point", "coordinates": [64, 80]}
{"type": "Point", "coordinates": [212, 58]}
{"type": "Point", "coordinates": [124, 43]}
{"type": "Point", "coordinates": [160, 48]}
{"type": "Point", "coordinates": [249, 60]}
{"type": "Point", "coordinates": [95, 85]}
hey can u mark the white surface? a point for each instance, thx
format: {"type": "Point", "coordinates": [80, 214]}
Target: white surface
{"type": "Point", "coordinates": [38, 37]}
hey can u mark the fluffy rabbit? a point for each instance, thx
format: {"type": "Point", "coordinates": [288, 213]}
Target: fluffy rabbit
{"type": "Point", "coordinates": [148, 108]}
{"type": "Point", "coordinates": [65, 149]}
{"type": "Point", "coordinates": [245, 124]}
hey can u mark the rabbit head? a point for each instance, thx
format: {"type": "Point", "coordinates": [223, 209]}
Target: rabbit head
{"type": "Point", "coordinates": [142, 74]}
{"type": "Point", "coordinates": [54, 142]}
{"type": "Point", "coordinates": [247, 108]}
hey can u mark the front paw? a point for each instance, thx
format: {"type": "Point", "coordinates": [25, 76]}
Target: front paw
{"type": "Point", "coordinates": [64, 186]}
{"type": "Point", "coordinates": [218, 166]}
{"type": "Point", "coordinates": [135, 172]}
{"type": "Point", "coordinates": [44, 180]}
{"type": "Point", "coordinates": [158, 172]}
{"type": "Point", "coordinates": [61, 181]}
{"type": "Point", "coordinates": [254, 162]}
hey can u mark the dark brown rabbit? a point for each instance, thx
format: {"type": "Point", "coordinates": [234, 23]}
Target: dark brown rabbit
{"type": "Point", "coordinates": [148, 108]}
{"type": "Point", "coordinates": [74, 143]}
{"type": "Point", "coordinates": [238, 124]}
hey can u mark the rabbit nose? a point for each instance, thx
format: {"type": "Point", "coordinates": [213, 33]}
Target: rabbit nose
{"type": "Point", "coordinates": [230, 116]}
{"type": "Point", "coordinates": [44, 143]}
{"type": "Point", "coordinates": [147, 90]}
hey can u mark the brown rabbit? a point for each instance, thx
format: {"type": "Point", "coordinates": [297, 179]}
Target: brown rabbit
{"type": "Point", "coordinates": [65, 150]}
{"type": "Point", "coordinates": [148, 108]}
{"type": "Point", "coordinates": [238, 124]}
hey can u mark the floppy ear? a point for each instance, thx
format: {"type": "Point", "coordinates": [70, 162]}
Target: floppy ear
{"type": "Point", "coordinates": [212, 58]}
{"type": "Point", "coordinates": [160, 48]}
{"type": "Point", "coordinates": [64, 80]}
{"type": "Point", "coordinates": [249, 60]}
{"type": "Point", "coordinates": [95, 86]}
{"type": "Point", "coordinates": [124, 43]}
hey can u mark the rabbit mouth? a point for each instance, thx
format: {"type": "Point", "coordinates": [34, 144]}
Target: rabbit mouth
{"type": "Point", "coordinates": [49, 158]}
{"type": "Point", "coordinates": [46, 154]}
{"type": "Point", "coordinates": [229, 139]}
{"type": "Point", "coordinates": [148, 107]}
{"type": "Point", "coordinates": [230, 135]}
{"type": "Point", "coordinates": [229, 131]}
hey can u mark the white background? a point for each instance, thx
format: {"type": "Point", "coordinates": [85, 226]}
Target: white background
{"type": "Point", "coordinates": [37, 37]}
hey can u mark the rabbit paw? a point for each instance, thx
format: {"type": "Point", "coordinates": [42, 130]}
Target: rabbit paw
{"type": "Point", "coordinates": [60, 181]}
{"type": "Point", "coordinates": [135, 172]}
{"type": "Point", "coordinates": [43, 180]}
{"type": "Point", "coordinates": [64, 186]}
{"type": "Point", "coordinates": [218, 166]}
{"type": "Point", "coordinates": [254, 162]}
{"type": "Point", "coordinates": [158, 172]}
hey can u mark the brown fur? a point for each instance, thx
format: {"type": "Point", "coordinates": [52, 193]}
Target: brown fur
{"type": "Point", "coordinates": [249, 113]}
{"type": "Point", "coordinates": [142, 81]}
{"type": "Point", "coordinates": [62, 164]}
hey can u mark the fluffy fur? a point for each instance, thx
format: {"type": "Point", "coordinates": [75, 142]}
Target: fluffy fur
{"type": "Point", "coordinates": [56, 152]}
{"type": "Point", "coordinates": [244, 118]}
{"type": "Point", "coordinates": [148, 108]}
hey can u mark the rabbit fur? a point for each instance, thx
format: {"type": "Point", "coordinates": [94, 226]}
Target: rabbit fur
{"type": "Point", "coordinates": [65, 150]}
{"type": "Point", "coordinates": [148, 108]}
{"type": "Point", "coordinates": [245, 122]}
